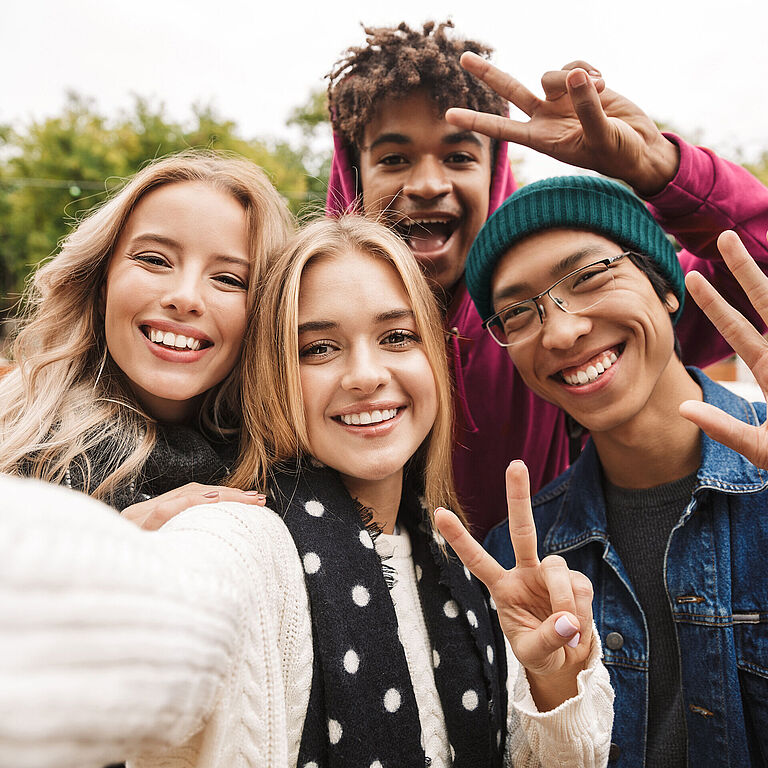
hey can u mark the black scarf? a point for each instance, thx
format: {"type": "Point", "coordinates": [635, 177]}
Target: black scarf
{"type": "Point", "coordinates": [362, 707]}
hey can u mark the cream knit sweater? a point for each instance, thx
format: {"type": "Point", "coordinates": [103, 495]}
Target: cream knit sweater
{"type": "Point", "coordinates": [187, 647]}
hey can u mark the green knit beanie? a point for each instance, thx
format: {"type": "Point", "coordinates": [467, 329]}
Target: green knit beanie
{"type": "Point", "coordinates": [589, 203]}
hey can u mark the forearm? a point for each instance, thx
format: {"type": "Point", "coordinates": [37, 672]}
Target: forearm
{"type": "Point", "coordinates": [112, 641]}
{"type": "Point", "coordinates": [576, 733]}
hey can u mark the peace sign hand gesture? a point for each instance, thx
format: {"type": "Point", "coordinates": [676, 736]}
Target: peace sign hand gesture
{"type": "Point", "coordinates": [746, 340]}
{"type": "Point", "coordinates": [545, 609]}
{"type": "Point", "coordinates": [580, 122]}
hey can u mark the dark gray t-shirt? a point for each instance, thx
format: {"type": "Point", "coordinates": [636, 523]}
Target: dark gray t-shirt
{"type": "Point", "coordinates": [639, 526]}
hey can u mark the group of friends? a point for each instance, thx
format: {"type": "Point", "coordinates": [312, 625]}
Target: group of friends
{"type": "Point", "coordinates": [308, 434]}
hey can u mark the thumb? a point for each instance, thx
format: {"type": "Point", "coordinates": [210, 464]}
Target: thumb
{"type": "Point", "coordinates": [589, 110]}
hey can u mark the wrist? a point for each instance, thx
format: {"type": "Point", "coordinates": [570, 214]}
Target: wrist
{"type": "Point", "coordinates": [658, 168]}
{"type": "Point", "coordinates": [551, 690]}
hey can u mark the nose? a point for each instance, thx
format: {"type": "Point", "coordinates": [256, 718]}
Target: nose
{"type": "Point", "coordinates": [427, 180]}
{"type": "Point", "coordinates": [364, 371]}
{"type": "Point", "coordinates": [184, 293]}
{"type": "Point", "coordinates": [560, 329]}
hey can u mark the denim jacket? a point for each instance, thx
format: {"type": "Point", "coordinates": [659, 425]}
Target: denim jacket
{"type": "Point", "coordinates": [716, 576]}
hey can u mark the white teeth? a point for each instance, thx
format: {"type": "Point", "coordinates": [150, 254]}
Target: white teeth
{"type": "Point", "coordinates": [369, 417]}
{"type": "Point", "coordinates": [175, 340]}
{"type": "Point", "coordinates": [591, 372]}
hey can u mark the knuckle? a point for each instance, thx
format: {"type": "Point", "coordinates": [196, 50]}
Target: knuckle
{"type": "Point", "coordinates": [554, 561]}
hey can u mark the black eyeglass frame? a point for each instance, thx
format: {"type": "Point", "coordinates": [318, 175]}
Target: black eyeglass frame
{"type": "Point", "coordinates": [607, 262]}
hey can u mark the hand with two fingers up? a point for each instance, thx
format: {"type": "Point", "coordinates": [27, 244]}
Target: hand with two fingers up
{"type": "Point", "coordinates": [579, 122]}
{"type": "Point", "coordinates": [744, 338]}
{"type": "Point", "coordinates": [154, 513]}
{"type": "Point", "coordinates": [545, 609]}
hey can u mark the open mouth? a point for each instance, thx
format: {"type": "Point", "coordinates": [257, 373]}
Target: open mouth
{"type": "Point", "coordinates": [427, 235]}
{"type": "Point", "coordinates": [365, 418]}
{"type": "Point", "coordinates": [591, 370]}
{"type": "Point", "coordinates": [174, 340]}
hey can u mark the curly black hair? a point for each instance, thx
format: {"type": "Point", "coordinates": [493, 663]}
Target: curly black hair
{"type": "Point", "coordinates": [396, 61]}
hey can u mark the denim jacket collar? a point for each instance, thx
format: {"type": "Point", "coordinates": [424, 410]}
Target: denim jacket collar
{"type": "Point", "coordinates": [582, 517]}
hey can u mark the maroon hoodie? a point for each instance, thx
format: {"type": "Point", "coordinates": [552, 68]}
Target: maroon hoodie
{"type": "Point", "coordinates": [497, 417]}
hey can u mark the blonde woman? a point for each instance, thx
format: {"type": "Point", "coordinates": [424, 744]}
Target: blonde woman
{"type": "Point", "coordinates": [127, 377]}
{"type": "Point", "coordinates": [336, 630]}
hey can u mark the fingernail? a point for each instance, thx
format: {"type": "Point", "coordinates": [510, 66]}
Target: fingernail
{"type": "Point", "coordinates": [257, 494]}
{"type": "Point", "coordinates": [574, 641]}
{"type": "Point", "coordinates": [515, 461]}
{"type": "Point", "coordinates": [578, 78]}
{"type": "Point", "coordinates": [594, 73]}
{"type": "Point", "coordinates": [211, 495]}
{"type": "Point", "coordinates": [564, 627]}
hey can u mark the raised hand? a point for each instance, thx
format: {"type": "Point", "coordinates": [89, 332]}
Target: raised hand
{"type": "Point", "coordinates": [154, 513]}
{"type": "Point", "coordinates": [545, 610]}
{"type": "Point", "coordinates": [750, 441]}
{"type": "Point", "coordinates": [580, 122]}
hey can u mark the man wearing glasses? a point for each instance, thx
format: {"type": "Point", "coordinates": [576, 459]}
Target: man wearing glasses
{"type": "Point", "coordinates": [577, 281]}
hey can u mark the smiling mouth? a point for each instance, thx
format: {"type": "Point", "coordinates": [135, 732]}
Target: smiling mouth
{"type": "Point", "coordinates": [591, 370]}
{"type": "Point", "coordinates": [366, 418]}
{"type": "Point", "coordinates": [174, 340]}
{"type": "Point", "coordinates": [427, 235]}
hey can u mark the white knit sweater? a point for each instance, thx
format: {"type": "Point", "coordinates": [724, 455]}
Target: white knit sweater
{"type": "Point", "coordinates": [187, 647]}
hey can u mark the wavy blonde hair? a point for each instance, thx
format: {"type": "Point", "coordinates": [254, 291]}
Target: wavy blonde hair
{"type": "Point", "coordinates": [274, 425]}
{"type": "Point", "coordinates": [66, 396]}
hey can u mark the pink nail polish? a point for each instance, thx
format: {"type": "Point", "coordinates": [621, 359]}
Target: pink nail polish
{"type": "Point", "coordinates": [564, 627]}
{"type": "Point", "coordinates": [211, 495]}
{"type": "Point", "coordinates": [574, 641]}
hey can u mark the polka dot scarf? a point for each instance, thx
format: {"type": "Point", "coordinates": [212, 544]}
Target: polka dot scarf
{"type": "Point", "coordinates": [362, 709]}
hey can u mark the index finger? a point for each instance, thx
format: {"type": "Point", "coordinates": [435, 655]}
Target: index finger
{"type": "Point", "coordinates": [482, 565]}
{"type": "Point", "coordinates": [504, 84]}
{"type": "Point", "coordinates": [745, 269]}
{"type": "Point", "coordinates": [522, 530]}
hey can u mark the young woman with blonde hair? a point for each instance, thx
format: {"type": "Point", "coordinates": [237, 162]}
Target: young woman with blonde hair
{"type": "Point", "coordinates": [338, 629]}
{"type": "Point", "coordinates": [127, 377]}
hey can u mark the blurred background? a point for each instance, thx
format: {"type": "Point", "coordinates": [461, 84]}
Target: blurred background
{"type": "Point", "coordinates": [92, 89]}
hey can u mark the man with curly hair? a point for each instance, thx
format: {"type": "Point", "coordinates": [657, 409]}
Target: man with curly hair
{"type": "Point", "coordinates": [437, 177]}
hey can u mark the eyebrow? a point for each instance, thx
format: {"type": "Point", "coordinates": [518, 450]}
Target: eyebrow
{"type": "Point", "coordinates": [457, 137]}
{"type": "Point", "coordinates": [382, 317]}
{"type": "Point", "coordinates": [565, 265]}
{"type": "Point", "coordinates": [150, 238]}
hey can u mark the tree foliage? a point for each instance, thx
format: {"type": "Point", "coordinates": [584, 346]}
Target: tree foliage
{"type": "Point", "coordinates": [53, 170]}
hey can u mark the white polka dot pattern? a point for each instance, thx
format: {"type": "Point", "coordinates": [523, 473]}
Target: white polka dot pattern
{"type": "Point", "coordinates": [451, 609]}
{"type": "Point", "coordinates": [351, 662]}
{"type": "Point", "coordinates": [361, 595]}
{"type": "Point", "coordinates": [492, 603]}
{"type": "Point", "coordinates": [418, 573]}
{"type": "Point", "coordinates": [314, 508]}
{"type": "Point", "coordinates": [489, 653]}
{"type": "Point", "coordinates": [392, 700]}
{"type": "Point", "coordinates": [472, 619]}
{"type": "Point", "coordinates": [311, 563]}
{"type": "Point", "coordinates": [334, 731]}
{"type": "Point", "coordinates": [435, 659]}
{"type": "Point", "coordinates": [467, 573]}
{"type": "Point", "coordinates": [469, 700]}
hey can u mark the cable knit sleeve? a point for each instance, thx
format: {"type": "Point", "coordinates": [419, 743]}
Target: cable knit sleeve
{"type": "Point", "coordinates": [576, 734]}
{"type": "Point", "coordinates": [187, 646]}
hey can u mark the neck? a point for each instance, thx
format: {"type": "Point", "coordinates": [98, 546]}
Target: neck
{"type": "Point", "coordinates": [382, 497]}
{"type": "Point", "coordinates": [657, 445]}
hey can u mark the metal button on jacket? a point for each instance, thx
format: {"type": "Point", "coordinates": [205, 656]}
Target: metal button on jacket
{"type": "Point", "coordinates": [614, 641]}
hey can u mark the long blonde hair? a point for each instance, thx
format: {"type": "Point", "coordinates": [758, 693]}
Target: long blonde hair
{"type": "Point", "coordinates": [274, 426]}
{"type": "Point", "coordinates": [66, 396]}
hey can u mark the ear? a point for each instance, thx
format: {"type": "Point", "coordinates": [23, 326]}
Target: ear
{"type": "Point", "coordinates": [671, 303]}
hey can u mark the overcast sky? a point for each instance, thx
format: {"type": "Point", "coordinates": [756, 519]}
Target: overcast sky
{"type": "Point", "coordinates": [700, 65]}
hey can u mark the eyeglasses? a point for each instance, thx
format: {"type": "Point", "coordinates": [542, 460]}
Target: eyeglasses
{"type": "Point", "coordinates": [577, 292]}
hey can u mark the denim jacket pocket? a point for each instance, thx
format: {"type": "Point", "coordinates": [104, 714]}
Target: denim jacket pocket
{"type": "Point", "coordinates": [751, 637]}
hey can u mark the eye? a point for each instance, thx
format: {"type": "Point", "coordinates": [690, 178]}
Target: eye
{"type": "Point", "coordinates": [516, 316]}
{"type": "Point", "coordinates": [458, 158]}
{"type": "Point", "coordinates": [400, 338]}
{"type": "Point", "coordinates": [151, 258]}
{"type": "Point", "coordinates": [592, 278]}
{"type": "Point", "coordinates": [317, 351]}
{"type": "Point", "coordinates": [393, 159]}
{"type": "Point", "coordinates": [231, 281]}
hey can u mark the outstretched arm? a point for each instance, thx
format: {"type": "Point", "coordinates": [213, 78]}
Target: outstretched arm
{"type": "Point", "coordinates": [751, 441]}
{"type": "Point", "coordinates": [116, 641]}
{"type": "Point", "coordinates": [545, 612]}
